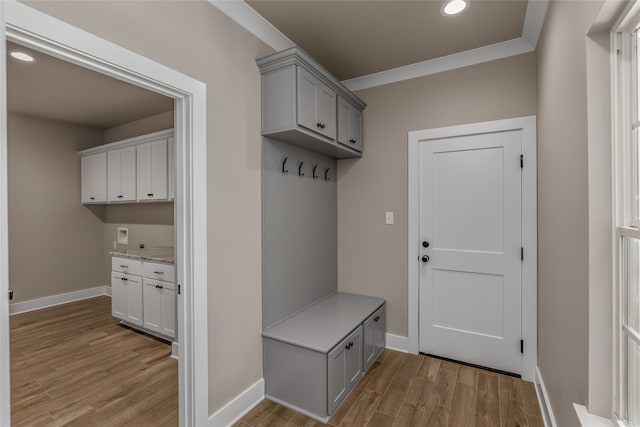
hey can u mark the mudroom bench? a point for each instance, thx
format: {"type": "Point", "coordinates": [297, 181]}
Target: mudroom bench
{"type": "Point", "coordinates": [313, 359]}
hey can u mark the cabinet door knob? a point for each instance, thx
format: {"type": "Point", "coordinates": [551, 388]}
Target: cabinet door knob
{"type": "Point", "coordinates": [319, 124]}
{"type": "Point", "coordinates": [376, 319]}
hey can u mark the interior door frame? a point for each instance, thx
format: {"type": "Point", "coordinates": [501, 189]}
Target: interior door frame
{"type": "Point", "coordinates": [529, 228]}
{"type": "Point", "coordinates": [39, 31]}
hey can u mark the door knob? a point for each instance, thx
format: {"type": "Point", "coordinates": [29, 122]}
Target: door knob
{"type": "Point", "coordinates": [425, 258]}
{"type": "Point", "coordinates": [425, 244]}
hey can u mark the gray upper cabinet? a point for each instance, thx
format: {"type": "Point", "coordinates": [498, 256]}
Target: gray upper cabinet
{"type": "Point", "coordinates": [349, 125]}
{"type": "Point", "coordinates": [301, 105]}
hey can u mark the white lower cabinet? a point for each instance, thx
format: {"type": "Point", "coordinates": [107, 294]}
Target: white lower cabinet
{"type": "Point", "coordinates": [143, 301]}
{"type": "Point", "coordinates": [126, 297]}
{"type": "Point", "coordinates": [344, 368]}
{"type": "Point", "coordinates": [159, 306]}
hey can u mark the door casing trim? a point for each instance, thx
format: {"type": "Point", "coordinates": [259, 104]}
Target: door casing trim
{"type": "Point", "coordinates": [529, 228]}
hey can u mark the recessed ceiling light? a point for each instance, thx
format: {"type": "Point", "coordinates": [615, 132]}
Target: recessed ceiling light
{"type": "Point", "coordinates": [453, 7]}
{"type": "Point", "coordinates": [22, 56]}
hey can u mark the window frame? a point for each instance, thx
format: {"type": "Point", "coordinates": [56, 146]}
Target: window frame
{"type": "Point", "coordinates": [626, 188]}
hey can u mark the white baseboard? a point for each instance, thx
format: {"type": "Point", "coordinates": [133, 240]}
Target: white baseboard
{"type": "Point", "coordinates": [239, 406]}
{"type": "Point", "coordinates": [174, 350]}
{"type": "Point", "coordinates": [590, 420]}
{"type": "Point", "coordinates": [398, 343]}
{"type": "Point", "coordinates": [543, 399]}
{"type": "Point", "coordinates": [50, 301]}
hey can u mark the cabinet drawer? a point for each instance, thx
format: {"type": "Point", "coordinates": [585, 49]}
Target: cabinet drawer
{"type": "Point", "coordinates": [158, 271]}
{"type": "Point", "coordinates": [126, 265]}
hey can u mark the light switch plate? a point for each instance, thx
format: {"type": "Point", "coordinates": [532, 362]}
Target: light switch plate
{"type": "Point", "coordinates": [388, 218]}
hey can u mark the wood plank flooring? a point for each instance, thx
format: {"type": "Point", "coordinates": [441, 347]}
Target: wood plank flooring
{"type": "Point", "coordinates": [74, 365]}
{"type": "Point", "coordinates": [403, 390]}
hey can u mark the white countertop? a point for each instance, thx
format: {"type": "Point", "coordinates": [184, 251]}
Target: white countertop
{"type": "Point", "coordinates": [158, 253]}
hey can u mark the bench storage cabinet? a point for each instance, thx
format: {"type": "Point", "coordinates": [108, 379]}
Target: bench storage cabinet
{"type": "Point", "coordinates": [313, 359]}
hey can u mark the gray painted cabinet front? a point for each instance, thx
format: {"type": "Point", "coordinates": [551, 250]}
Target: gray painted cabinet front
{"type": "Point", "coordinates": [344, 368]}
{"type": "Point", "coordinates": [374, 337]}
{"type": "Point", "coordinates": [300, 104]}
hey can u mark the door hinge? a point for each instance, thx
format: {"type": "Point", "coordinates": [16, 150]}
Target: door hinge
{"type": "Point", "coordinates": [521, 253]}
{"type": "Point", "coordinates": [522, 346]}
{"type": "Point", "coordinates": [179, 289]}
{"type": "Point", "coordinates": [521, 161]}
{"type": "Point", "coordinates": [10, 295]}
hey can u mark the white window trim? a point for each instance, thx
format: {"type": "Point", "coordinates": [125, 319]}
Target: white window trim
{"type": "Point", "coordinates": [624, 225]}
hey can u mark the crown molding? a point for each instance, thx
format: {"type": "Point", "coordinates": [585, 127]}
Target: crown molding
{"type": "Point", "coordinates": [444, 63]}
{"type": "Point", "coordinates": [257, 25]}
{"type": "Point", "coordinates": [253, 22]}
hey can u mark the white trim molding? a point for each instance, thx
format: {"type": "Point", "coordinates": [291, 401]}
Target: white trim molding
{"type": "Point", "coordinates": [239, 406]}
{"type": "Point", "coordinates": [397, 342]}
{"type": "Point", "coordinates": [590, 420]}
{"type": "Point", "coordinates": [253, 22]}
{"type": "Point", "coordinates": [527, 125]}
{"type": "Point", "coordinates": [39, 31]}
{"type": "Point", "coordinates": [467, 58]}
{"type": "Point", "coordinates": [543, 399]}
{"type": "Point", "coordinates": [256, 24]}
{"type": "Point", "coordinates": [53, 300]}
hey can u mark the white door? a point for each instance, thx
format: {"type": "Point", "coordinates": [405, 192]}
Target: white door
{"type": "Point", "coordinates": [470, 249]}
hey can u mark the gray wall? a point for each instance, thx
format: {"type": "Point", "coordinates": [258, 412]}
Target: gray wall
{"type": "Point", "coordinates": [55, 243]}
{"type": "Point", "coordinates": [226, 63]}
{"type": "Point", "coordinates": [563, 206]}
{"type": "Point", "coordinates": [299, 230]}
{"type": "Point", "coordinates": [373, 256]}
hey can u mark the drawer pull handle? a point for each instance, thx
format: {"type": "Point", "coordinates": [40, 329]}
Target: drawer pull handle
{"type": "Point", "coordinates": [159, 287]}
{"type": "Point", "coordinates": [124, 278]}
{"type": "Point", "coordinates": [158, 272]}
{"type": "Point", "coordinates": [349, 346]}
{"type": "Point", "coordinates": [124, 266]}
{"type": "Point", "coordinates": [92, 198]}
{"type": "Point", "coordinates": [119, 197]}
{"type": "Point", "coordinates": [150, 194]}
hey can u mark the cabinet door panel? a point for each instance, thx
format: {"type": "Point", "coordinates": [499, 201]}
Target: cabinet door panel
{"type": "Point", "coordinates": [336, 371]}
{"type": "Point", "coordinates": [355, 129]}
{"type": "Point", "coordinates": [134, 300]}
{"type": "Point", "coordinates": [128, 174]}
{"type": "Point", "coordinates": [307, 100]}
{"type": "Point", "coordinates": [344, 112]}
{"type": "Point", "coordinates": [159, 169]}
{"type": "Point", "coordinates": [118, 296]}
{"type": "Point", "coordinates": [380, 331]}
{"type": "Point", "coordinates": [113, 176]}
{"type": "Point", "coordinates": [326, 110]}
{"type": "Point", "coordinates": [152, 298]}
{"type": "Point", "coordinates": [87, 184]}
{"type": "Point", "coordinates": [168, 322]}
{"type": "Point", "coordinates": [171, 160]}
{"type": "Point", "coordinates": [143, 172]}
{"type": "Point", "coordinates": [100, 177]}
{"type": "Point", "coordinates": [353, 359]}
{"type": "Point", "coordinates": [368, 343]}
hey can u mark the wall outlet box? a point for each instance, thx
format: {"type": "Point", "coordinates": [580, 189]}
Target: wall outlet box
{"type": "Point", "coordinates": [123, 235]}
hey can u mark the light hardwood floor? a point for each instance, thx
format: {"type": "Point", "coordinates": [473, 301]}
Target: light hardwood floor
{"type": "Point", "coordinates": [74, 365]}
{"type": "Point", "coordinates": [408, 390]}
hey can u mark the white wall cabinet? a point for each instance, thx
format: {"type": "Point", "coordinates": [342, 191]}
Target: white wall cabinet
{"type": "Point", "coordinates": [121, 175]}
{"type": "Point", "coordinates": [140, 169]}
{"type": "Point", "coordinates": [349, 125]}
{"type": "Point", "coordinates": [94, 178]}
{"type": "Point", "coordinates": [146, 299]}
{"type": "Point", "coordinates": [152, 170]}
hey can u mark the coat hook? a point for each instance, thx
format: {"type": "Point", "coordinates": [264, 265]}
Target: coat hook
{"type": "Point", "coordinates": [300, 173]}
{"type": "Point", "coordinates": [284, 162]}
{"type": "Point", "coordinates": [314, 171]}
{"type": "Point", "coordinates": [326, 171]}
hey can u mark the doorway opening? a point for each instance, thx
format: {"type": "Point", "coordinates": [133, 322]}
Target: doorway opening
{"type": "Point", "coordinates": [38, 31]}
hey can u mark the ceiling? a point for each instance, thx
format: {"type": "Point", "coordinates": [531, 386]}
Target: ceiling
{"type": "Point", "coordinates": [353, 38]}
{"type": "Point", "coordinates": [54, 89]}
